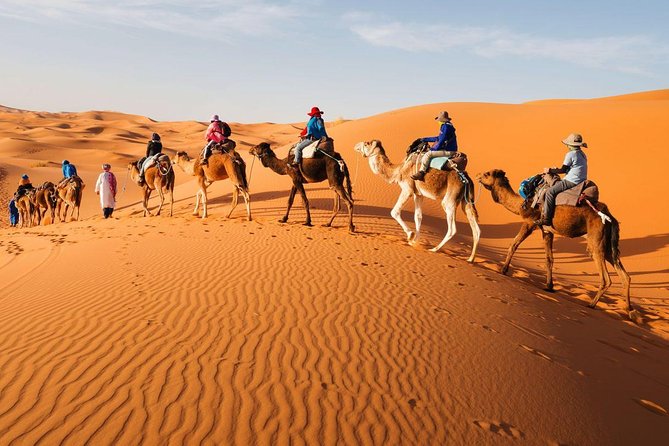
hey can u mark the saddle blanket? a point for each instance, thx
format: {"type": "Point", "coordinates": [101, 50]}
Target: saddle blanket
{"type": "Point", "coordinates": [442, 162]}
{"type": "Point", "coordinates": [571, 197]}
{"type": "Point", "coordinates": [309, 151]}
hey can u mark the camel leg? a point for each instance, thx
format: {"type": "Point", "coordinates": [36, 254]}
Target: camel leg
{"type": "Point", "coordinates": [145, 202]}
{"type": "Point", "coordinates": [235, 199]}
{"type": "Point", "coordinates": [161, 195]}
{"type": "Point", "coordinates": [247, 202]}
{"type": "Point", "coordinates": [476, 230]}
{"type": "Point", "coordinates": [291, 198]}
{"type": "Point", "coordinates": [341, 192]}
{"type": "Point", "coordinates": [449, 207]}
{"type": "Point", "coordinates": [525, 230]}
{"type": "Point", "coordinates": [305, 201]}
{"type": "Point", "coordinates": [625, 277]}
{"type": "Point", "coordinates": [417, 215]}
{"type": "Point", "coordinates": [605, 280]}
{"type": "Point", "coordinates": [335, 209]}
{"type": "Point", "coordinates": [548, 248]}
{"type": "Point", "coordinates": [171, 200]}
{"type": "Point", "coordinates": [204, 201]}
{"type": "Point", "coordinates": [396, 212]}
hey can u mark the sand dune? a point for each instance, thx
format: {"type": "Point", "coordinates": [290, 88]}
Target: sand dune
{"type": "Point", "coordinates": [183, 331]}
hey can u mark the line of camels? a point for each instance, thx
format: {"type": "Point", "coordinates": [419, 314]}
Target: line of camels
{"type": "Point", "coordinates": [56, 199]}
{"type": "Point", "coordinates": [446, 187]}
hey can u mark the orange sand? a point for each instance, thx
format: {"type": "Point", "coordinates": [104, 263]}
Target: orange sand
{"type": "Point", "coordinates": [182, 331]}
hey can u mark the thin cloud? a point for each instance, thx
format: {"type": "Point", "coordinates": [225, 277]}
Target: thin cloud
{"type": "Point", "coordinates": [631, 54]}
{"type": "Point", "coordinates": [220, 20]}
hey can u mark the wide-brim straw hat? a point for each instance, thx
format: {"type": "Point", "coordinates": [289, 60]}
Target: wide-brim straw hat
{"type": "Point", "coordinates": [574, 139]}
{"type": "Point", "coordinates": [443, 117]}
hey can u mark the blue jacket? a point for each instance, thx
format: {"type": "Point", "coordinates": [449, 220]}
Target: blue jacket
{"type": "Point", "coordinates": [69, 170]}
{"type": "Point", "coordinates": [446, 139]}
{"type": "Point", "coordinates": [316, 128]}
{"type": "Point", "coordinates": [13, 213]}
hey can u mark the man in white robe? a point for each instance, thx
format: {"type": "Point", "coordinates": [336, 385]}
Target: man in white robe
{"type": "Point", "coordinates": [105, 187]}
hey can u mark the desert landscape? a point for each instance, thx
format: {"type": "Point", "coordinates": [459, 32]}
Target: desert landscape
{"type": "Point", "coordinates": [183, 330]}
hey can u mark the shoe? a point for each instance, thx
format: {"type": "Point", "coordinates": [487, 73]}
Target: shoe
{"type": "Point", "coordinates": [294, 164]}
{"type": "Point", "coordinates": [204, 162]}
{"type": "Point", "coordinates": [418, 176]}
{"type": "Point", "coordinates": [543, 221]}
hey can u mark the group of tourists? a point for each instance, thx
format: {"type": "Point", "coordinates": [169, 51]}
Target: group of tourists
{"type": "Point", "coordinates": [444, 145]}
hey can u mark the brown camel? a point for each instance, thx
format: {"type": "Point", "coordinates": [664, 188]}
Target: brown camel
{"type": "Point", "coordinates": [26, 206]}
{"type": "Point", "coordinates": [69, 194]}
{"type": "Point", "coordinates": [45, 201]}
{"type": "Point", "coordinates": [221, 166]}
{"type": "Point", "coordinates": [445, 186]}
{"type": "Point", "coordinates": [159, 177]}
{"type": "Point", "coordinates": [569, 221]}
{"type": "Point", "coordinates": [312, 170]}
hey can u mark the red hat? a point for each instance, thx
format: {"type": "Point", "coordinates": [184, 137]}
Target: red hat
{"type": "Point", "coordinates": [315, 111]}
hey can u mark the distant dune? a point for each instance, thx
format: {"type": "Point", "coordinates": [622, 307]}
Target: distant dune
{"type": "Point", "coordinates": [182, 331]}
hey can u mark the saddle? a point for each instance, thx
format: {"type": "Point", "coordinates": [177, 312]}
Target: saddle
{"type": "Point", "coordinates": [312, 150]}
{"type": "Point", "coordinates": [456, 162]}
{"type": "Point", "coordinates": [224, 147]}
{"type": "Point", "coordinates": [571, 197]}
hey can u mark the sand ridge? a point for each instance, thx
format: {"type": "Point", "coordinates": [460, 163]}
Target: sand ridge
{"type": "Point", "coordinates": [222, 331]}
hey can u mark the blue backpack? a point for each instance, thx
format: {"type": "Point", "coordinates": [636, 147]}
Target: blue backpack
{"type": "Point", "coordinates": [528, 186]}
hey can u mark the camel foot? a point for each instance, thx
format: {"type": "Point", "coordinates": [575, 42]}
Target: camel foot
{"type": "Point", "coordinates": [283, 220]}
{"type": "Point", "coordinates": [592, 305]}
{"type": "Point", "coordinates": [195, 214]}
{"type": "Point", "coordinates": [327, 225]}
{"type": "Point", "coordinates": [504, 271]}
{"type": "Point", "coordinates": [411, 236]}
{"type": "Point", "coordinates": [308, 223]}
{"type": "Point", "coordinates": [435, 249]}
{"type": "Point", "coordinates": [351, 228]}
{"type": "Point", "coordinates": [635, 316]}
{"type": "Point", "coordinates": [549, 288]}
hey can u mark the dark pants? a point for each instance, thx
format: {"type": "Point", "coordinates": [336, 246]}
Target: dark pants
{"type": "Point", "coordinates": [549, 200]}
{"type": "Point", "coordinates": [107, 212]}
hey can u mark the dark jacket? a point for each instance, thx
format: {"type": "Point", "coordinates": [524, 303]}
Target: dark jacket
{"type": "Point", "coordinates": [446, 139]}
{"type": "Point", "coordinates": [153, 148]}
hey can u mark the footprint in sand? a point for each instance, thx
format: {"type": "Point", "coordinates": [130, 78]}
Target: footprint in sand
{"type": "Point", "coordinates": [501, 428]}
{"type": "Point", "coordinates": [653, 407]}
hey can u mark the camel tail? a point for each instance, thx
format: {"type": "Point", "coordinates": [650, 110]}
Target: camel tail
{"type": "Point", "coordinates": [613, 239]}
{"type": "Point", "coordinates": [469, 198]}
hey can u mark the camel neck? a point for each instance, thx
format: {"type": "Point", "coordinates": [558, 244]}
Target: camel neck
{"type": "Point", "coordinates": [274, 163]}
{"type": "Point", "coordinates": [188, 166]}
{"type": "Point", "coordinates": [504, 195]}
{"type": "Point", "coordinates": [381, 165]}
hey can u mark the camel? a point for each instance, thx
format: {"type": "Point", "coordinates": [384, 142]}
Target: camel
{"type": "Point", "coordinates": [329, 167]}
{"type": "Point", "coordinates": [69, 194]}
{"type": "Point", "coordinates": [159, 177]}
{"type": "Point", "coordinates": [45, 201]}
{"type": "Point", "coordinates": [221, 166]}
{"type": "Point", "coordinates": [26, 206]}
{"type": "Point", "coordinates": [445, 186]}
{"type": "Point", "coordinates": [569, 221]}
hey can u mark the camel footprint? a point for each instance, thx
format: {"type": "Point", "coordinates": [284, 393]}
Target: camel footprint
{"type": "Point", "coordinates": [500, 428]}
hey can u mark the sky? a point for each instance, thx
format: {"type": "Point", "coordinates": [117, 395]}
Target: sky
{"type": "Point", "coordinates": [265, 60]}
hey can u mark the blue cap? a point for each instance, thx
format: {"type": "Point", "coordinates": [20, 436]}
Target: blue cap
{"type": "Point", "coordinates": [24, 176]}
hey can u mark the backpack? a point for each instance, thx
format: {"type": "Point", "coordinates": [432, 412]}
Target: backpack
{"type": "Point", "coordinates": [528, 186]}
{"type": "Point", "coordinates": [225, 129]}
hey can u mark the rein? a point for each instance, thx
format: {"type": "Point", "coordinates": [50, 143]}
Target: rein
{"type": "Point", "coordinates": [340, 162]}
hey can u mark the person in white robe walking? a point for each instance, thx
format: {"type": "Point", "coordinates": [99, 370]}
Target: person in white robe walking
{"type": "Point", "coordinates": [105, 187]}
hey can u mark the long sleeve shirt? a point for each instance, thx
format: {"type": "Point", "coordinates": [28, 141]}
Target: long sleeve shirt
{"type": "Point", "coordinates": [446, 139]}
{"type": "Point", "coordinates": [69, 170]}
{"type": "Point", "coordinates": [153, 148]}
{"type": "Point", "coordinates": [316, 128]}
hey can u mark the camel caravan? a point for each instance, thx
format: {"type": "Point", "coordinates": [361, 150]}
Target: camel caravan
{"type": "Point", "coordinates": [432, 168]}
{"type": "Point", "coordinates": [33, 204]}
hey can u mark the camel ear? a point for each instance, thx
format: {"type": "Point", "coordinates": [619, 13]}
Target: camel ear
{"type": "Point", "coordinates": [374, 144]}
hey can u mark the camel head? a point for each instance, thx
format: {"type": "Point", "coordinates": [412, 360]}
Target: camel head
{"type": "Point", "coordinates": [490, 178]}
{"type": "Point", "coordinates": [369, 148]}
{"type": "Point", "coordinates": [261, 150]}
{"type": "Point", "coordinates": [180, 156]}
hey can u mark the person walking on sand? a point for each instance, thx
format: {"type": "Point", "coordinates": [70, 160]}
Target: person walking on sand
{"type": "Point", "coordinates": [314, 130]}
{"type": "Point", "coordinates": [575, 165]}
{"type": "Point", "coordinates": [445, 144]}
{"type": "Point", "coordinates": [105, 187]}
{"type": "Point", "coordinates": [154, 148]}
{"type": "Point", "coordinates": [13, 213]}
